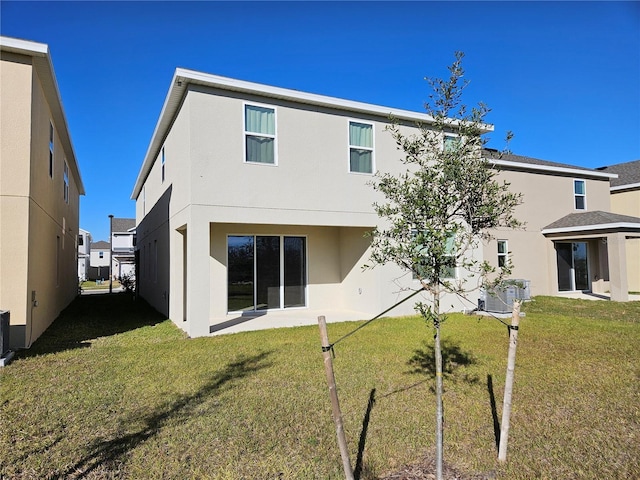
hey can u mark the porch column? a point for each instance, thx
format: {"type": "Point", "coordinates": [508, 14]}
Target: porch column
{"type": "Point", "coordinates": [616, 246]}
{"type": "Point", "coordinates": [198, 277]}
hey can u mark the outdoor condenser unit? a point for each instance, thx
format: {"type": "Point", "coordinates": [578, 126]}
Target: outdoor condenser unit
{"type": "Point", "coordinates": [4, 332]}
{"type": "Point", "coordinates": [501, 299]}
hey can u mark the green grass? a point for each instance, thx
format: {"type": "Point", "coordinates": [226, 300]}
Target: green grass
{"type": "Point", "coordinates": [112, 390]}
{"type": "Point", "coordinates": [92, 285]}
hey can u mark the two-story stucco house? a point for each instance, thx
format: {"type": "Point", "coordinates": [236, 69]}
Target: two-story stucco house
{"type": "Point", "coordinates": [99, 258]}
{"type": "Point", "coordinates": [253, 201]}
{"type": "Point", "coordinates": [572, 241]}
{"type": "Point", "coordinates": [40, 185]}
{"type": "Point", "coordinates": [625, 200]}
{"type": "Point", "coordinates": [123, 242]}
{"type": "Point", "coordinates": [84, 245]}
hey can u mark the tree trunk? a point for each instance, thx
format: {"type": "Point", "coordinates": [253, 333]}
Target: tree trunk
{"type": "Point", "coordinates": [508, 386]}
{"type": "Point", "coordinates": [439, 411]}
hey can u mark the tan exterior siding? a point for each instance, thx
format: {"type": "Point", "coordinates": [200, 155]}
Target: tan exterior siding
{"type": "Point", "coordinates": [38, 228]}
{"type": "Point", "coordinates": [628, 203]}
{"type": "Point", "coordinates": [546, 198]}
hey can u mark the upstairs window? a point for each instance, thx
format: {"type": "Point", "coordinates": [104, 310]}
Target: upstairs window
{"type": "Point", "coordinates": [162, 166]}
{"type": "Point", "coordinates": [360, 147]}
{"type": "Point", "coordinates": [65, 178]}
{"type": "Point", "coordinates": [80, 240]}
{"type": "Point", "coordinates": [50, 149]}
{"type": "Point", "coordinates": [580, 194]}
{"type": "Point", "coordinates": [451, 143]}
{"type": "Point", "coordinates": [260, 134]}
{"type": "Point", "coordinates": [503, 253]}
{"type": "Point", "coordinates": [101, 254]}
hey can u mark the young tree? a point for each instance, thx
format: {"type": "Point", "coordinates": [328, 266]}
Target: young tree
{"type": "Point", "coordinates": [442, 207]}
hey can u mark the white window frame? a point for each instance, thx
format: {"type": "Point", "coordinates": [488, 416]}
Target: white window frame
{"type": "Point", "coordinates": [162, 161]}
{"type": "Point", "coordinates": [254, 134]}
{"type": "Point", "coordinates": [576, 195]}
{"type": "Point", "coordinates": [445, 137]}
{"type": "Point", "coordinates": [65, 181]}
{"type": "Point", "coordinates": [51, 148]}
{"type": "Point", "coordinates": [455, 268]}
{"type": "Point", "coordinates": [504, 254]}
{"type": "Point", "coordinates": [372, 149]}
{"type": "Point", "coordinates": [281, 289]}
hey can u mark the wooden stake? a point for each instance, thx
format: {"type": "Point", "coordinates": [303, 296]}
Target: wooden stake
{"type": "Point", "coordinates": [508, 386]}
{"type": "Point", "coordinates": [333, 394]}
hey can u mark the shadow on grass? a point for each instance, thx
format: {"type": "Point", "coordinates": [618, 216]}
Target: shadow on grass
{"type": "Point", "coordinates": [92, 316]}
{"type": "Point", "coordinates": [423, 361]}
{"type": "Point", "coordinates": [494, 410]}
{"type": "Point", "coordinates": [108, 455]}
{"type": "Point", "coordinates": [360, 469]}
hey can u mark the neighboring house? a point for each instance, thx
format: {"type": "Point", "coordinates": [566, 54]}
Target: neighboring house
{"type": "Point", "coordinates": [571, 241]}
{"type": "Point", "coordinates": [625, 200]}
{"type": "Point", "coordinates": [255, 200]}
{"type": "Point", "coordinates": [100, 256]}
{"type": "Point", "coordinates": [84, 245]}
{"type": "Point", "coordinates": [40, 186]}
{"type": "Point", "coordinates": [123, 238]}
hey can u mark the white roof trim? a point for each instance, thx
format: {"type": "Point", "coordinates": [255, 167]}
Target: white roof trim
{"type": "Point", "coordinates": [628, 186]}
{"type": "Point", "coordinates": [24, 46]}
{"type": "Point", "coordinates": [601, 226]}
{"type": "Point", "coordinates": [182, 77]}
{"type": "Point", "coordinates": [551, 168]}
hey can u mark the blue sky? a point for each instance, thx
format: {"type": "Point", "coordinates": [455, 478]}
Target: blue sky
{"type": "Point", "coordinates": [564, 77]}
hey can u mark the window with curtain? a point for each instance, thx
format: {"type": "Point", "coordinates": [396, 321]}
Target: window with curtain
{"type": "Point", "coordinates": [503, 255]}
{"type": "Point", "coordinates": [360, 147]}
{"type": "Point", "coordinates": [451, 143]}
{"type": "Point", "coordinates": [449, 267]}
{"type": "Point", "coordinates": [260, 134]}
{"type": "Point", "coordinates": [579, 194]}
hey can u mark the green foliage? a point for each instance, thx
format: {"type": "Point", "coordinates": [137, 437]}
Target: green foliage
{"type": "Point", "coordinates": [128, 282]}
{"type": "Point", "coordinates": [113, 390]}
{"type": "Point", "coordinates": [448, 198]}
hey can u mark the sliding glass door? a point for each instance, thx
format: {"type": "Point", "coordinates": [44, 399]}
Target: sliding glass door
{"type": "Point", "coordinates": [573, 271]}
{"type": "Point", "coordinates": [266, 272]}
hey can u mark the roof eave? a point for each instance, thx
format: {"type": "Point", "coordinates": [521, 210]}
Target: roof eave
{"type": "Point", "coordinates": [551, 169]}
{"type": "Point", "coordinates": [183, 77]}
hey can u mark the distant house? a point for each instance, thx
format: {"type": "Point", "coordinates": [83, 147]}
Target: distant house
{"type": "Point", "coordinates": [123, 240]}
{"type": "Point", "coordinates": [573, 240]}
{"type": "Point", "coordinates": [625, 200]}
{"type": "Point", "coordinates": [40, 188]}
{"type": "Point", "coordinates": [100, 255]}
{"type": "Point", "coordinates": [84, 245]}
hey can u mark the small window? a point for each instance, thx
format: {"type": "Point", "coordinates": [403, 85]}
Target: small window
{"type": "Point", "coordinates": [101, 254]}
{"type": "Point", "coordinates": [260, 134]}
{"type": "Point", "coordinates": [451, 143]}
{"type": "Point", "coordinates": [360, 147]}
{"type": "Point", "coordinates": [579, 194]}
{"type": "Point", "coordinates": [503, 253]}
{"type": "Point", "coordinates": [162, 166]}
{"type": "Point", "coordinates": [80, 240]}
{"type": "Point", "coordinates": [449, 268]}
{"type": "Point", "coordinates": [66, 182]}
{"type": "Point", "coordinates": [50, 149]}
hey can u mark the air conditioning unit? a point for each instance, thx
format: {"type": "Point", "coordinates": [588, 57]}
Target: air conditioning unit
{"type": "Point", "coordinates": [500, 300]}
{"type": "Point", "coordinates": [4, 332]}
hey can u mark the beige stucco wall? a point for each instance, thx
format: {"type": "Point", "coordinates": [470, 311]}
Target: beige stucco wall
{"type": "Point", "coordinates": [628, 203]}
{"type": "Point", "coordinates": [546, 198]}
{"type": "Point", "coordinates": [38, 229]}
{"type": "Point", "coordinates": [209, 192]}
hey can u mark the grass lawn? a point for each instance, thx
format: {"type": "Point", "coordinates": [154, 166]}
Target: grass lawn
{"type": "Point", "coordinates": [93, 285]}
{"type": "Point", "coordinates": [113, 390]}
